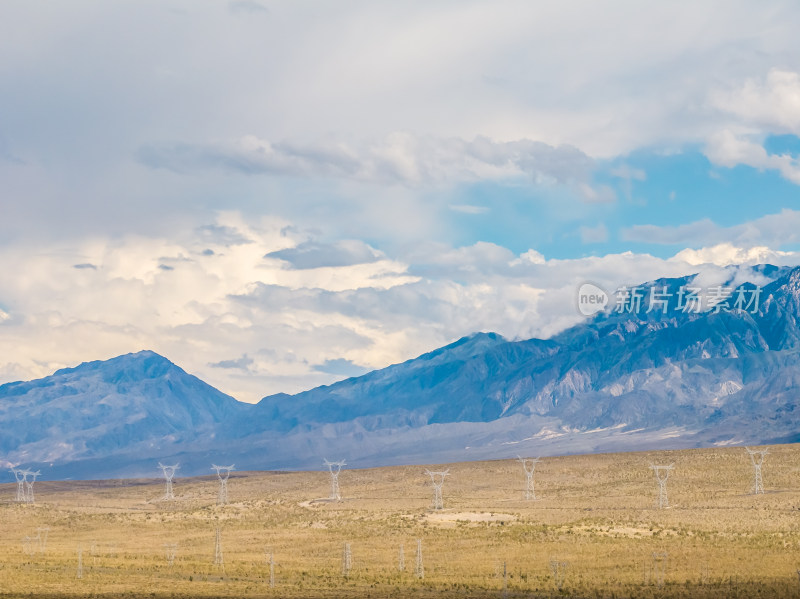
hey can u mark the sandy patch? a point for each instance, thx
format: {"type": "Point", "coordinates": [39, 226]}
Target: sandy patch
{"type": "Point", "coordinates": [452, 518]}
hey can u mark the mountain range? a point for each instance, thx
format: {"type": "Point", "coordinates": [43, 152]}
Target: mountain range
{"type": "Point", "coordinates": [645, 373]}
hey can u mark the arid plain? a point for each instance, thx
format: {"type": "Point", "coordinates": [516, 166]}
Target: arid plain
{"type": "Point", "coordinates": [594, 530]}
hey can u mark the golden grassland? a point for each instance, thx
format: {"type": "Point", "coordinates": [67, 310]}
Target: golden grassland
{"type": "Point", "coordinates": [597, 513]}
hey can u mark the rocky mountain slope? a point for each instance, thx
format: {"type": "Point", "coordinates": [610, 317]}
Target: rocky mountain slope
{"type": "Point", "coordinates": [650, 374]}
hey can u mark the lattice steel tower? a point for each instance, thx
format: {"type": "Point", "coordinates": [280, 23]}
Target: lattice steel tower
{"type": "Point", "coordinates": [437, 478]}
{"type": "Point", "coordinates": [20, 476]}
{"type": "Point", "coordinates": [347, 560]}
{"type": "Point", "coordinates": [223, 472]}
{"type": "Point", "coordinates": [169, 474]}
{"type": "Point", "coordinates": [558, 568]}
{"type": "Point", "coordinates": [335, 468]}
{"type": "Point", "coordinates": [757, 457]}
{"type": "Point", "coordinates": [529, 465]}
{"type": "Point", "coordinates": [170, 549]}
{"type": "Point", "coordinates": [659, 567]}
{"type": "Point", "coordinates": [29, 484]}
{"type": "Point", "coordinates": [419, 568]}
{"type": "Point", "coordinates": [219, 560]}
{"type": "Point", "coordinates": [662, 474]}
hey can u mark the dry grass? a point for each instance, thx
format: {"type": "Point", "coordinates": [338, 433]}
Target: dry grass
{"type": "Point", "coordinates": [595, 512]}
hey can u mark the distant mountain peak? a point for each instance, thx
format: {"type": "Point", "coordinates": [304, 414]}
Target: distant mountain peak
{"type": "Point", "coordinates": [136, 365]}
{"type": "Point", "coordinates": [618, 381]}
{"type": "Point", "coordinates": [143, 356]}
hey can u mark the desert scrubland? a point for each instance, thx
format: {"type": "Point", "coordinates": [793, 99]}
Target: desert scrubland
{"type": "Point", "coordinates": [595, 519]}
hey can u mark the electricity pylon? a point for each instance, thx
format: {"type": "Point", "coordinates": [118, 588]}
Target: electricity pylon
{"type": "Point", "coordinates": [223, 472]}
{"type": "Point", "coordinates": [169, 473]}
{"type": "Point", "coordinates": [437, 478]}
{"type": "Point", "coordinates": [757, 457]}
{"type": "Point", "coordinates": [419, 569]}
{"type": "Point", "coordinates": [218, 558]}
{"type": "Point", "coordinates": [529, 465]}
{"type": "Point", "coordinates": [335, 468]}
{"type": "Point", "coordinates": [662, 474]}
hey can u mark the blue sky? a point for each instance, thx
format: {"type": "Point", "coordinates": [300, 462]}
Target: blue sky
{"type": "Point", "coordinates": [276, 195]}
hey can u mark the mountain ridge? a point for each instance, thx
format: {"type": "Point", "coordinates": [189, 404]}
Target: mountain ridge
{"type": "Point", "coordinates": [619, 380]}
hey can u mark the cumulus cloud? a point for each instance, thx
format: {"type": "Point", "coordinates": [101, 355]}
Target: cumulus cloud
{"type": "Point", "coordinates": [771, 230]}
{"type": "Point", "coordinates": [685, 234]}
{"type": "Point", "coordinates": [252, 327]}
{"type": "Point", "coordinates": [243, 363]}
{"type": "Point", "coordinates": [772, 103]}
{"type": "Point", "coordinates": [340, 367]}
{"type": "Point", "coordinates": [364, 113]}
{"type": "Point", "coordinates": [725, 148]}
{"type": "Point", "coordinates": [757, 108]}
{"type": "Point", "coordinates": [313, 254]}
{"type": "Point", "coordinates": [398, 158]}
{"type": "Point", "coordinates": [726, 254]}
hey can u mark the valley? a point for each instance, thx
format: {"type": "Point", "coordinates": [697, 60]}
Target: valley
{"type": "Point", "coordinates": [595, 520]}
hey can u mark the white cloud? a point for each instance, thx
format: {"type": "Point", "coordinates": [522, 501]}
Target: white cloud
{"type": "Point", "coordinates": [251, 326]}
{"type": "Point", "coordinates": [362, 109]}
{"type": "Point", "coordinates": [397, 158]}
{"type": "Point", "coordinates": [726, 254]}
{"type": "Point", "coordinates": [725, 148]}
{"type": "Point", "coordinates": [773, 230]}
{"type": "Point", "coordinates": [529, 257]}
{"type": "Point", "coordinates": [773, 104]}
{"type": "Point", "coordinates": [756, 108]}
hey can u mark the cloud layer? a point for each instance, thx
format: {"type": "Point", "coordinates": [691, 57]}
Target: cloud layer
{"type": "Point", "coordinates": [276, 194]}
{"type": "Point", "coordinates": [258, 308]}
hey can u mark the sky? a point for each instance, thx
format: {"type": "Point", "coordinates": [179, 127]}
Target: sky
{"type": "Point", "coordinates": [278, 195]}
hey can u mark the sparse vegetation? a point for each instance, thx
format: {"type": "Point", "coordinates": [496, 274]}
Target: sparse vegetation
{"type": "Point", "coordinates": [597, 514]}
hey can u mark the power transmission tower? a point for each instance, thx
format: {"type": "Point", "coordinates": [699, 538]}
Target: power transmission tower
{"type": "Point", "coordinates": [335, 468]}
{"type": "Point", "coordinates": [419, 569]}
{"type": "Point", "coordinates": [80, 562]}
{"type": "Point", "coordinates": [20, 476]}
{"type": "Point", "coordinates": [505, 581]}
{"type": "Point", "coordinates": [401, 560]}
{"type": "Point", "coordinates": [218, 559]}
{"type": "Point", "coordinates": [271, 562]}
{"type": "Point", "coordinates": [437, 478]}
{"type": "Point", "coordinates": [170, 549]}
{"type": "Point", "coordinates": [347, 560]}
{"type": "Point", "coordinates": [529, 465]}
{"type": "Point", "coordinates": [662, 474]}
{"type": "Point", "coordinates": [25, 486]}
{"type": "Point", "coordinates": [169, 473]}
{"type": "Point", "coordinates": [27, 545]}
{"type": "Point", "coordinates": [41, 538]}
{"type": "Point", "coordinates": [757, 457]}
{"type": "Point", "coordinates": [659, 567]}
{"type": "Point", "coordinates": [223, 472]}
{"type": "Point", "coordinates": [559, 570]}
{"type": "Point", "coordinates": [29, 485]}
